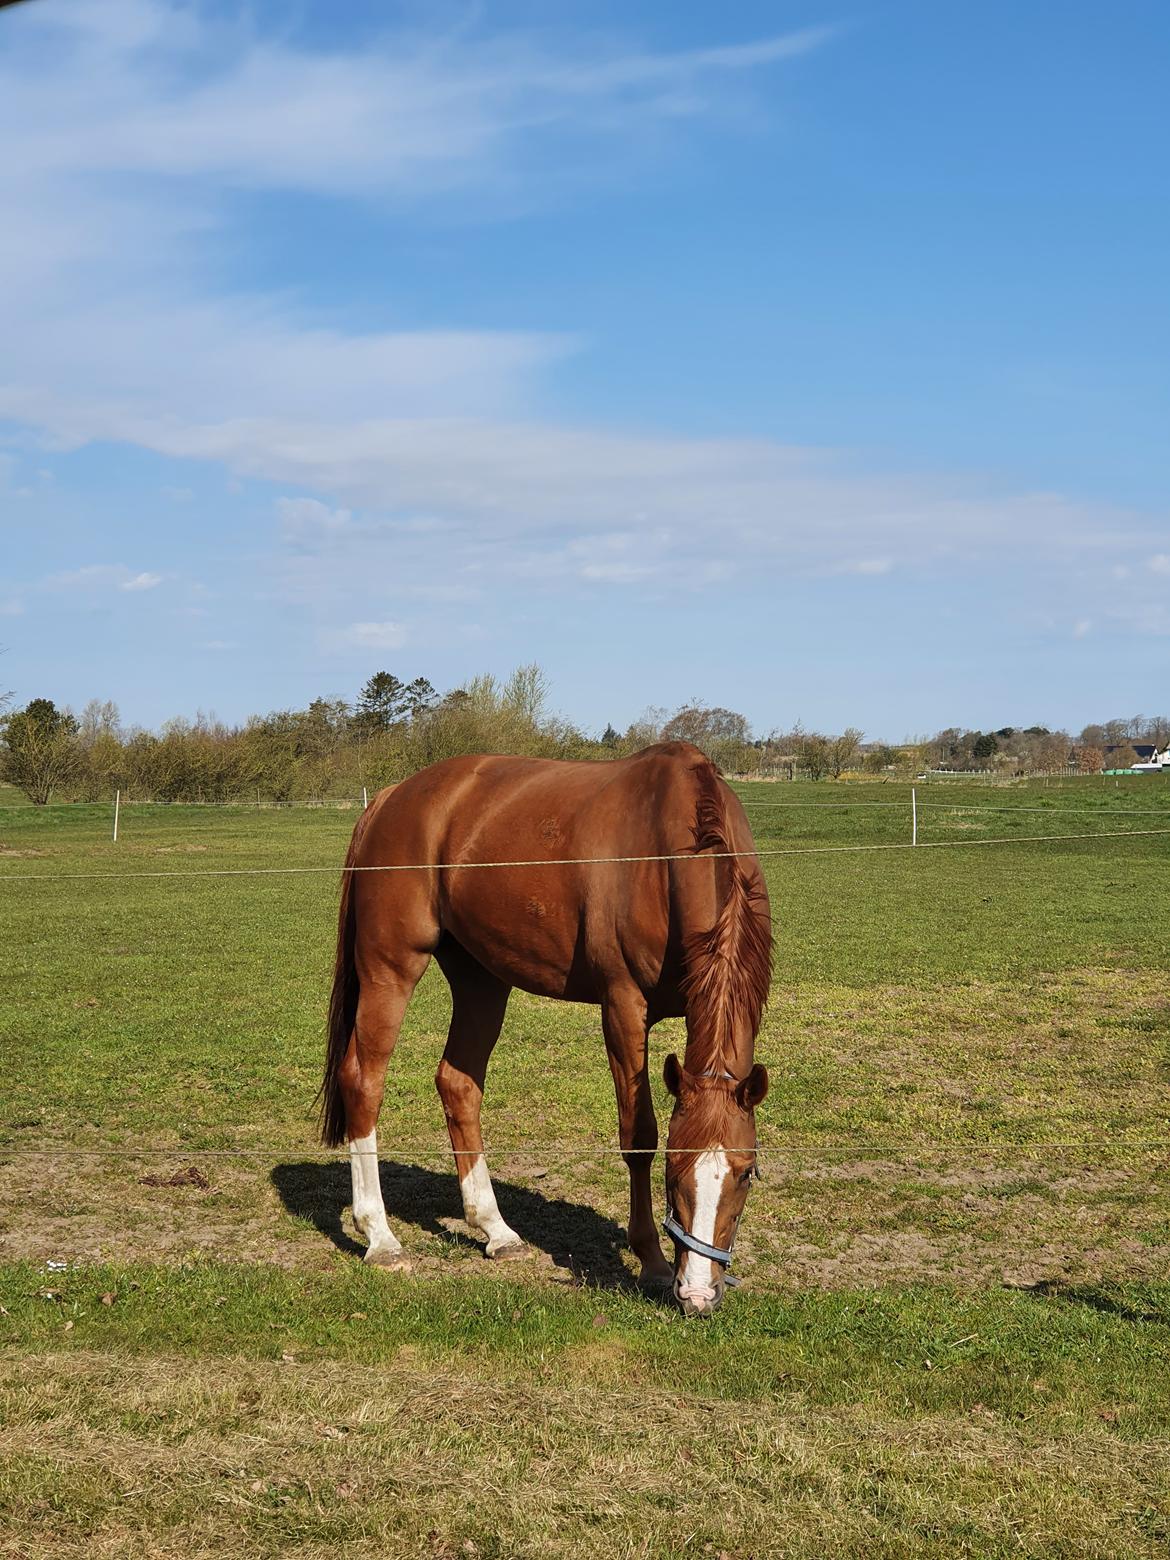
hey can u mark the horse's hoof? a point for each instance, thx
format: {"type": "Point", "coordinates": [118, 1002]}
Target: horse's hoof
{"type": "Point", "coordinates": [508, 1252]}
{"type": "Point", "coordinates": [656, 1283]}
{"type": "Point", "coordinates": [388, 1261]}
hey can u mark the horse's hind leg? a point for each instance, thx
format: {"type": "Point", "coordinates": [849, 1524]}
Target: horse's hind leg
{"type": "Point", "coordinates": [478, 1001]}
{"type": "Point", "coordinates": [381, 1005]}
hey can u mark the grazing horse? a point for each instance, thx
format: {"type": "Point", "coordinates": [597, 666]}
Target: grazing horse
{"type": "Point", "coordinates": [632, 884]}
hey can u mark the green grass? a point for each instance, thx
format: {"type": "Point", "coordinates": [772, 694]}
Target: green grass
{"type": "Point", "coordinates": [916, 1350]}
{"type": "Point", "coordinates": [246, 1410]}
{"type": "Point", "coordinates": [938, 1018]}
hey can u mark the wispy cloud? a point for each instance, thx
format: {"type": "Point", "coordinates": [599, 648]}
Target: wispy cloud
{"type": "Point", "coordinates": [136, 118]}
{"type": "Point", "coordinates": [867, 566]}
{"type": "Point", "coordinates": [183, 94]}
{"type": "Point", "coordinates": [375, 636]}
{"type": "Point", "coordinates": [103, 576]}
{"type": "Point", "coordinates": [417, 463]}
{"type": "Point", "coordinates": [308, 519]}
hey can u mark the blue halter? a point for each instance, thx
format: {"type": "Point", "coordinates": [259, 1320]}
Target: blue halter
{"type": "Point", "coordinates": [683, 1237]}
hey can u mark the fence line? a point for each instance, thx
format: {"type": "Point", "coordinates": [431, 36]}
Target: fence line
{"type": "Point", "coordinates": [572, 861]}
{"type": "Point", "coordinates": [1052, 812]}
{"type": "Point", "coordinates": [539, 1153]}
{"type": "Point", "coordinates": [333, 803]}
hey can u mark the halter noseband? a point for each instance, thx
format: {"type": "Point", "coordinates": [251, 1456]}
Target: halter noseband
{"type": "Point", "coordinates": [700, 1247]}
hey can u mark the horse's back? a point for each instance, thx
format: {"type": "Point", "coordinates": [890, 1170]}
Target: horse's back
{"type": "Point", "coordinates": [460, 803]}
{"type": "Point", "coordinates": [546, 870]}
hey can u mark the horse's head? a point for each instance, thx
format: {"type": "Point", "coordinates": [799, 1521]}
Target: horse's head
{"type": "Point", "coordinates": [710, 1162]}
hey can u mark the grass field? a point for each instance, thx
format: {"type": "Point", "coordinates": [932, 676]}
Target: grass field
{"type": "Point", "coordinates": [953, 1332]}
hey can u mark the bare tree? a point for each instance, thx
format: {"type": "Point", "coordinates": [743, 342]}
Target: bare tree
{"type": "Point", "coordinates": [99, 719]}
{"type": "Point", "coordinates": [812, 753]}
{"type": "Point", "coordinates": [843, 750]}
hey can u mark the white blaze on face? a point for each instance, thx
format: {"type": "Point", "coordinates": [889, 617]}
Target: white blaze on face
{"type": "Point", "coordinates": [697, 1280]}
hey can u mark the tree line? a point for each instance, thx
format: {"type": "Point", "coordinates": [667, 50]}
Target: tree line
{"type": "Point", "coordinates": [334, 748]}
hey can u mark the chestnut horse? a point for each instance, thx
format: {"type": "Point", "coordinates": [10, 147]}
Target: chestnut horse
{"type": "Point", "coordinates": [643, 937]}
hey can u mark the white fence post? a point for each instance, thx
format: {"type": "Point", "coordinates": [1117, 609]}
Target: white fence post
{"type": "Point", "coordinates": [914, 815]}
{"type": "Point", "coordinates": [117, 810]}
{"type": "Point", "coordinates": [365, 799]}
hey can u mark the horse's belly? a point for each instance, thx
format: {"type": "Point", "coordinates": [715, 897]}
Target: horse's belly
{"type": "Point", "coordinates": [526, 941]}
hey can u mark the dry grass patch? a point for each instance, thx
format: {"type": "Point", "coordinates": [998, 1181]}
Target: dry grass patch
{"type": "Point", "coordinates": [110, 1457]}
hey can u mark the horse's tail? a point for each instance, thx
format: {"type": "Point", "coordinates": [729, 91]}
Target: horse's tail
{"type": "Point", "coordinates": [728, 969]}
{"type": "Point", "coordinates": [343, 1001]}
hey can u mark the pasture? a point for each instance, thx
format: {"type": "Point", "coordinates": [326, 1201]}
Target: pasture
{"type": "Point", "coordinates": [952, 1332]}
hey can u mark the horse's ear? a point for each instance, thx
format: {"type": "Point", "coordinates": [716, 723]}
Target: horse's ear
{"type": "Point", "coordinates": [754, 1088]}
{"type": "Point", "coordinates": [672, 1074]}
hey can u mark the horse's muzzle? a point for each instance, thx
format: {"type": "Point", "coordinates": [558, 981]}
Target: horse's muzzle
{"type": "Point", "coordinates": [700, 1299]}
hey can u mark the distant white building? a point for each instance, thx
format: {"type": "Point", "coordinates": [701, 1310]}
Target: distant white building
{"type": "Point", "coordinates": [1148, 758]}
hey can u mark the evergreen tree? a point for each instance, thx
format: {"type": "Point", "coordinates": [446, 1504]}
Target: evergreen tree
{"type": "Point", "coordinates": [420, 696]}
{"type": "Point", "coordinates": [383, 701]}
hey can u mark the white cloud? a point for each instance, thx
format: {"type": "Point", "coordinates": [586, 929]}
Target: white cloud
{"type": "Point", "coordinates": [798, 508]}
{"type": "Point", "coordinates": [181, 95]}
{"type": "Point", "coordinates": [1082, 627]}
{"type": "Point", "coordinates": [1160, 563]}
{"type": "Point", "coordinates": [309, 518]}
{"type": "Point", "coordinates": [12, 606]}
{"type": "Point", "coordinates": [103, 576]}
{"type": "Point", "coordinates": [867, 566]}
{"type": "Point", "coordinates": [374, 636]}
{"type": "Point", "coordinates": [136, 119]}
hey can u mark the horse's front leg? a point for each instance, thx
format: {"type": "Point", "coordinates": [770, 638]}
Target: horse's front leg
{"type": "Point", "coordinates": [623, 1018]}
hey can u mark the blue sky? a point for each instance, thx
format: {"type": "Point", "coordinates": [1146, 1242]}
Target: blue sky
{"type": "Point", "coordinates": [808, 360]}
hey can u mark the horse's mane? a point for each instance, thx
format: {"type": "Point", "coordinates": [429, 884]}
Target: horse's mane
{"type": "Point", "coordinates": [729, 968]}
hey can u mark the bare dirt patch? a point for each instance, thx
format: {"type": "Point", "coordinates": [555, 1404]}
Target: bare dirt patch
{"type": "Point", "coordinates": [968, 1088]}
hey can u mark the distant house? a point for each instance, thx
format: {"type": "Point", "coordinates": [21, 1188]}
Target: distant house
{"type": "Point", "coordinates": [1149, 758]}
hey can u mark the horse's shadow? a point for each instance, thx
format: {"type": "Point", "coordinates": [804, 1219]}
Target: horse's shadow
{"type": "Point", "coordinates": [575, 1236]}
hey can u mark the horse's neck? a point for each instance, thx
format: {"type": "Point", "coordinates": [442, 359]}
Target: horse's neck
{"type": "Point", "coordinates": [705, 1057]}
